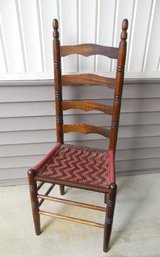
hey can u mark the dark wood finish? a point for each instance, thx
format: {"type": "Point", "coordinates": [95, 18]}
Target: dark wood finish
{"type": "Point", "coordinates": [40, 185]}
{"type": "Point", "coordinates": [87, 106]}
{"type": "Point", "coordinates": [73, 203]}
{"type": "Point", "coordinates": [111, 198]}
{"type": "Point", "coordinates": [34, 201]}
{"type": "Point", "coordinates": [74, 185]}
{"type": "Point", "coordinates": [57, 82]}
{"type": "Point", "coordinates": [87, 79]}
{"type": "Point", "coordinates": [63, 217]}
{"type": "Point", "coordinates": [46, 194]}
{"type": "Point", "coordinates": [118, 86]}
{"type": "Point", "coordinates": [57, 86]}
{"type": "Point", "coordinates": [86, 129]}
{"type": "Point", "coordinates": [90, 49]}
{"type": "Point", "coordinates": [117, 83]}
{"type": "Point", "coordinates": [105, 198]}
{"type": "Point", "coordinates": [62, 192]}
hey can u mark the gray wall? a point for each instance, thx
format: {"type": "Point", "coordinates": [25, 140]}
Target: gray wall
{"type": "Point", "coordinates": [27, 126]}
{"type": "Point", "coordinates": [27, 121]}
{"type": "Point", "coordinates": [26, 40]}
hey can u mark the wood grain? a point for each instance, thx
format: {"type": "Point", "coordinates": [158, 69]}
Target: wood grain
{"type": "Point", "coordinates": [87, 79]}
{"type": "Point", "coordinates": [86, 129]}
{"type": "Point", "coordinates": [87, 106]}
{"type": "Point", "coordinates": [90, 49]}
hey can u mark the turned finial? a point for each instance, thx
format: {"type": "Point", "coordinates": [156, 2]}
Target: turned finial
{"type": "Point", "coordinates": [124, 29]}
{"type": "Point", "coordinates": [55, 28]}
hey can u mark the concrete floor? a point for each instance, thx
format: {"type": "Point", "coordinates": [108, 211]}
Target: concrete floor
{"type": "Point", "coordinates": [136, 228]}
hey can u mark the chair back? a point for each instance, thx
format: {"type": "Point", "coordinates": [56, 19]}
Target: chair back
{"type": "Point", "coordinates": [87, 79]}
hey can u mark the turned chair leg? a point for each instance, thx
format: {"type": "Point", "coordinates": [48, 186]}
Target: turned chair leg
{"type": "Point", "coordinates": [111, 198]}
{"type": "Point", "coordinates": [34, 201]}
{"type": "Point", "coordinates": [62, 192]}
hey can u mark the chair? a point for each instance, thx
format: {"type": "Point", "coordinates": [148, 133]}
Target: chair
{"type": "Point", "coordinates": [75, 166]}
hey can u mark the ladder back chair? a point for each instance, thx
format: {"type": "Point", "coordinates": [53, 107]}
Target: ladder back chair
{"type": "Point", "coordinates": [81, 166]}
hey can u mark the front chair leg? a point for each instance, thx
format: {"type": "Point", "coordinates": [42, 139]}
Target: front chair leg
{"type": "Point", "coordinates": [34, 201]}
{"type": "Point", "coordinates": [62, 192]}
{"type": "Point", "coordinates": [111, 198]}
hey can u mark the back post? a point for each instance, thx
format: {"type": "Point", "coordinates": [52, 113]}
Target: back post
{"type": "Point", "coordinates": [57, 82]}
{"type": "Point", "coordinates": [118, 86]}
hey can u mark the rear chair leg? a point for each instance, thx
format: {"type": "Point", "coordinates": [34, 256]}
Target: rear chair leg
{"type": "Point", "coordinates": [105, 198]}
{"type": "Point", "coordinates": [34, 201]}
{"type": "Point", "coordinates": [62, 192]}
{"type": "Point", "coordinates": [111, 198]}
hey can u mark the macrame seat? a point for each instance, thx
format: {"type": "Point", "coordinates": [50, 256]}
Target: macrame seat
{"type": "Point", "coordinates": [76, 166]}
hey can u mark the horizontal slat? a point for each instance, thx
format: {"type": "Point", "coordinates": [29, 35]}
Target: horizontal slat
{"type": "Point", "coordinates": [81, 221]}
{"type": "Point", "coordinates": [46, 193]}
{"type": "Point", "coordinates": [86, 129]}
{"type": "Point", "coordinates": [90, 49]}
{"type": "Point", "coordinates": [87, 79]}
{"type": "Point", "coordinates": [130, 105]}
{"type": "Point", "coordinates": [87, 106]}
{"type": "Point", "coordinates": [73, 203]}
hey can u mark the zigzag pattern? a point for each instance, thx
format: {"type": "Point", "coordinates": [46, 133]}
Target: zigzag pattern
{"type": "Point", "coordinates": [82, 165]}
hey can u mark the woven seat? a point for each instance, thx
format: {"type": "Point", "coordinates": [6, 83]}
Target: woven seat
{"type": "Point", "coordinates": [81, 167]}
{"type": "Point", "coordinates": [76, 164]}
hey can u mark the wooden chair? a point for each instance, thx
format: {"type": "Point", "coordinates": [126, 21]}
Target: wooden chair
{"type": "Point", "coordinates": [76, 166]}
